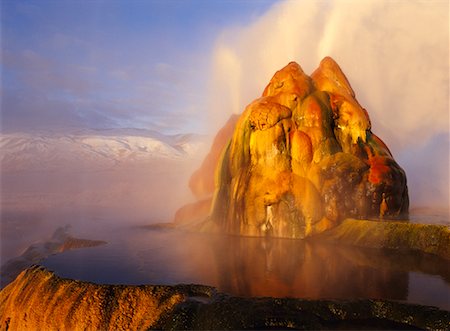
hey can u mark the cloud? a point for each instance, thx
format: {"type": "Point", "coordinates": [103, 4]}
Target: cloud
{"type": "Point", "coordinates": [395, 55]}
{"type": "Point", "coordinates": [41, 73]}
{"type": "Point", "coordinates": [44, 113]}
{"type": "Point", "coordinates": [54, 93]}
{"type": "Point", "coordinates": [102, 66]}
{"type": "Point", "coordinates": [145, 60]}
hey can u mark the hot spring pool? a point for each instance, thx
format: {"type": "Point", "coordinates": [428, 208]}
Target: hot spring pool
{"type": "Point", "coordinates": [259, 267]}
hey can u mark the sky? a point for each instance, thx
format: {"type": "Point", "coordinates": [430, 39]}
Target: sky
{"type": "Point", "coordinates": [185, 66]}
{"type": "Point", "coordinates": [111, 63]}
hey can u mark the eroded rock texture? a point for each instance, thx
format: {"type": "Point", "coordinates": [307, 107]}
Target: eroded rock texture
{"type": "Point", "coordinates": [303, 158]}
{"type": "Point", "coordinates": [39, 300]}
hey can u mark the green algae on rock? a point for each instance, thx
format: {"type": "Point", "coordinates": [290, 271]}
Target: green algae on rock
{"type": "Point", "coordinates": [40, 300]}
{"type": "Point", "coordinates": [427, 238]}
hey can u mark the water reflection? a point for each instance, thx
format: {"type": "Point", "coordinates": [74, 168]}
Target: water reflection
{"type": "Point", "coordinates": [259, 267]}
{"type": "Point", "coordinates": [277, 267]}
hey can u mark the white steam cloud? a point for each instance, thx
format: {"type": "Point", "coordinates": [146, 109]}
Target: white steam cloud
{"type": "Point", "coordinates": [394, 53]}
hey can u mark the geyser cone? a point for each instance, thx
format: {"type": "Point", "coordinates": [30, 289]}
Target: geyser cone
{"type": "Point", "coordinates": [302, 158]}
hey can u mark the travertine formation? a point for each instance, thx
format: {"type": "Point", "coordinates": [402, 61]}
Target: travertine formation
{"type": "Point", "coordinates": [303, 158]}
{"type": "Point", "coordinates": [39, 300]}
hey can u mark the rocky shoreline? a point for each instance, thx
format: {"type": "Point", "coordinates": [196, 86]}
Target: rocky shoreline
{"type": "Point", "coordinates": [38, 299]}
{"type": "Point", "coordinates": [398, 235]}
{"type": "Point", "coordinates": [59, 242]}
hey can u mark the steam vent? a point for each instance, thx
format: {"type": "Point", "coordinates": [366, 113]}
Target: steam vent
{"type": "Point", "coordinates": [302, 158]}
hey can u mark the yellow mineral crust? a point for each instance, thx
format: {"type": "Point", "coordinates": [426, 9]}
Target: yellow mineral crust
{"type": "Point", "coordinates": [351, 119]}
{"type": "Point", "coordinates": [302, 158]}
{"type": "Point", "coordinates": [290, 79]}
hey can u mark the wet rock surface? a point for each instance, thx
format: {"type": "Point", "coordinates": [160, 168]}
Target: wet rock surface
{"type": "Point", "coordinates": [38, 299]}
{"type": "Point", "coordinates": [303, 158]}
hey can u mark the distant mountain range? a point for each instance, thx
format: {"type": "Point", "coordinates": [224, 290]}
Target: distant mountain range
{"type": "Point", "coordinates": [48, 150]}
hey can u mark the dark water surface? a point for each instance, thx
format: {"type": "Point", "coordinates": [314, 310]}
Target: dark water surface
{"type": "Point", "coordinates": [259, 267]}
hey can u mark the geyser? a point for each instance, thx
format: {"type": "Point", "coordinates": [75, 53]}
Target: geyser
{"type": "Point", "coordinates": [302, 158]}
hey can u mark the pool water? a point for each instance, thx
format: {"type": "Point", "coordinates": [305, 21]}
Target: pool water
{"type": "Point", "coordinates": [259, 267]}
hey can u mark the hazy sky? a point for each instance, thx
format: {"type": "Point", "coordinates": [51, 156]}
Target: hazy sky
{"type": "Point", "coordinates": [111, 63]}
{"type": "Point", "coordinates": [175, 65]}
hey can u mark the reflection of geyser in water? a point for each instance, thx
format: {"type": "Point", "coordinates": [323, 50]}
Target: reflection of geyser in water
{"type": "Point", "coordinates": [279, 268]}
{"type": "Point", "coordinates": [245, 266]}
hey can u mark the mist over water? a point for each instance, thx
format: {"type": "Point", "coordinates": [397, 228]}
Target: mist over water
{"type": "Point", "coordinates": [94, 183]}
{"type": "Point", "coordinates": [259, 267]}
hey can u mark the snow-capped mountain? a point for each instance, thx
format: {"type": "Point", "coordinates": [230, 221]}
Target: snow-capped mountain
{"type": "Point", "coordinates": [94, 147]}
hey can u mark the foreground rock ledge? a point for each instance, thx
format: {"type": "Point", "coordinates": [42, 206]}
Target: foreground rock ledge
{"type": "Point", "coordinates": [40, 300]}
